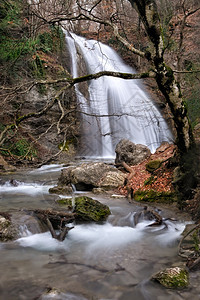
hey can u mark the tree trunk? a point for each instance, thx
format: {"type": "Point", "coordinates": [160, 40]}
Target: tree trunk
{"type": "Point", "coordinates": [147, 10]}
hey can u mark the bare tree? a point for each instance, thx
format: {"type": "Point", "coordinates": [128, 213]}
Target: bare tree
{"type": "Point", "coordinates": [154, 54]}
{"type": "Point", "coordinates": [110, 16]}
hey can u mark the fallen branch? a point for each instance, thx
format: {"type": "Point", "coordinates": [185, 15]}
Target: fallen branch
{"type": "Point", "coordinates": [182, 240]}
{"type": "Point", "coordinates": [56, 220]}
{"type": "Point", "coordinates": [62, 235]}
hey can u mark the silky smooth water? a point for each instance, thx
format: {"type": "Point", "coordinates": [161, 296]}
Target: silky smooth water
{"type": "Point", "coordinates": [114, 108]}
{"type": "Point", "coordinates": [110, 260]}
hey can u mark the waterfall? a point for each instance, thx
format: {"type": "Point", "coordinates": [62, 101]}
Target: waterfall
{"type": "Point", "coordinates": [115, 108]}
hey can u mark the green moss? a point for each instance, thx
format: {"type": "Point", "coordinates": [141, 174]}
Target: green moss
{"type": "Point", "coordinates": [87, 209]}
{"type": "Point", "coordinates": [66, 201]}
{"type": "Point", "coordinates": [61, 190]}
{"type": "Point", "coordinates": [150, 180]}
{"type": "Point", "coordinates": [66, 146]}
{"type": "Point", "coordinates": [153, 165]}
{"type": "Point", "coordinates": [173, 278]}
{"type": "Point", "coordinates": [196, 241]}
{"type": "Point", "coordinates": [154, 196]}
{"type": "Point", "coordinates": [23, 148]}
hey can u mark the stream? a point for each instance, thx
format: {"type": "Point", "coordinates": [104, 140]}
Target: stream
{"type": "Point", "coordinates": [106, 261]}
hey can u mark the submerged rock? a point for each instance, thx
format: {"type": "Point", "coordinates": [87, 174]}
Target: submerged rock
{"type": "Point", "coordinates": [87, 209]}
{"type": "Point", "coordinates": [131, 153]}
{"type": "Point", "coordinates": [175, 277]}
{"type": "Point", "coordinates": [53, 293]}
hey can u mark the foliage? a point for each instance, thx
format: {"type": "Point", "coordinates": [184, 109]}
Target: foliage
{"type": "Point", "coordinates": [21, 148]}
{"type": "Point", "coordinates": [196, 240]}
{"type": "Point", "coordinates": [192, 92]}
{"type": "Point", "coordinates": [51, 40]}
{"type": "Point", "coordinates": [18, 45]}
{"type": "Point", "coordinates": [66, 146]}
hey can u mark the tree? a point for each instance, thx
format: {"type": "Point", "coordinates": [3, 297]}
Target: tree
{"type": "Point", "coordinates": [73, 13]}
{"type": "Point", "coordinates": [148, 13]}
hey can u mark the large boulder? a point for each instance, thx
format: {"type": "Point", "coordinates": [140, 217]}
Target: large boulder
{"type": "Point", "coordinates": [90, 175]}
{"type": "Point", "coordinates": [87, 209]}
{"type": "Point", "coordinates": [131, 153]}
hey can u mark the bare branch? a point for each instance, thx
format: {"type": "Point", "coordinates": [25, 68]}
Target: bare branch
{"type": "Point", "coordinates": [125, 42]}
{"type": "Point", "coordinates": [61, 117]}
{"type": "Point", "coordinates": [183, 72]}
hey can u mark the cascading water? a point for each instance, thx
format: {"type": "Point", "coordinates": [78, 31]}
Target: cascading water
{"type": "Point", "coordinates": [115, 108]}
{"type": "Point", "coordinates": [114, 259]}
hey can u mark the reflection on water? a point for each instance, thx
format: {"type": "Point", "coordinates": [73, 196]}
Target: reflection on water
{"type": "Point", "coordinates": [113, 260]}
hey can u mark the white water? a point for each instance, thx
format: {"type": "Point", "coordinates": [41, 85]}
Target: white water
{"type": "Point", "coordinates": [94, 238]}
{"type": "Point", "coordinates": [112, 260]}
{"type": "Point", "coordinates": [31, 189]}
{"type": "Point", "coordinates": [119, 108]}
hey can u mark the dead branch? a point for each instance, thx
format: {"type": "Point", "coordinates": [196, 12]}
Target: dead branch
{"type": "Point", "coordinates": [56, 220]}
{"type": "Point", "coordinates": [183, 238]}
{"type": "Point", "coordinates": [60, 236]}
{"type": "Point", "coordinates": [192, 264]}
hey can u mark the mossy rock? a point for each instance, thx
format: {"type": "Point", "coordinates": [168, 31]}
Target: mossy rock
{"type": "Point", "coordinates": [153, 165]}
{"type": "Point", "coordinates": [173, 278]}
{"type": "Point", "coordinates": [61, 190]}
{"type": "Point", "coordinates": [154, 196]}
{"type": "Point", "coordinates": [7, 230]}
{"type": "Point", "coordinates": [87, 209]}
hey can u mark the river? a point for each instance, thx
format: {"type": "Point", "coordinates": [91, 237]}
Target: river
{"type": "Point", "coordinates": [113, 260]}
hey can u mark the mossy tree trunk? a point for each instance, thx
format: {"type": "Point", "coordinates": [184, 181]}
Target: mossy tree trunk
{"type": "Point", "coordinates": [148, 12]}
{"type": "Point", "coordinates": [170, 88]}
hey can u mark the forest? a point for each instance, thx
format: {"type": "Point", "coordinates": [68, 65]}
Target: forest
{"type": "Point", "coordinates": [140, 60]}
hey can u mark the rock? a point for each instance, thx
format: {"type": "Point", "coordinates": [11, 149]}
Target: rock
{"type": "Point", "coordinates": [153, 165]}
{"type": "Point", "coordinates": [5, 166]}
{"type": "Point", "coordinates": [175, 277]}
{"type": "Point", "coordinates": [87, 209]}
{"type": "Point", "coordinates": [88, 176]}
{"type": "Point", "coordinates": [131, 153]}
{"type": "Point", "coordinates": [154, 196]}
{"type": "Point", "coordinates": [148, 214]}
{"type": "Point", "coordinates": [8, 231]}
{"type": "Point", "coordinates": [99, 191]}
{"type": "Point", "coordinates": [65, 177]}
{"type": "Point", "coordinates": [53, 293]}
{"type": "Point", "coordinates": [112, 179]}
{"type": "Point", "coordinates": [61, 190]}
